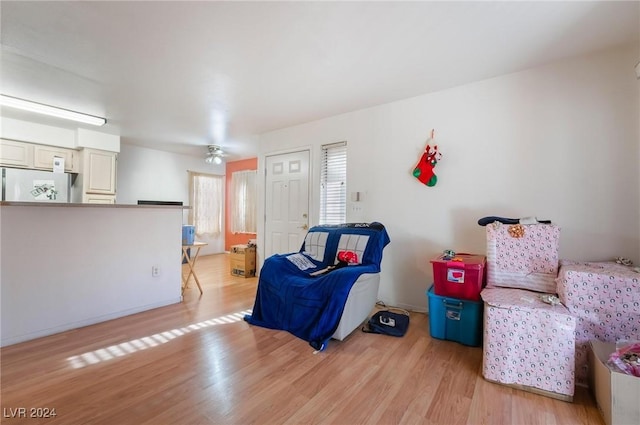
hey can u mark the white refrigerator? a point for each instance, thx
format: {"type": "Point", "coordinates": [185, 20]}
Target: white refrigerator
{"type": "Point", "coordinates": [35, 186]}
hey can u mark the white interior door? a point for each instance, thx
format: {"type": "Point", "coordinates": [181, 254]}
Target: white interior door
{"type": "Point", "coordinates": [286, 202]}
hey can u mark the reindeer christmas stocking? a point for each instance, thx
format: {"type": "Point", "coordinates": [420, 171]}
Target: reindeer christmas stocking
{"type": "Point", "coordinates": [424, 170]}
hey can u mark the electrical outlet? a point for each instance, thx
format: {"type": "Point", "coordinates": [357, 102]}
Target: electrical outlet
{"type": "Point", "coordinates": [155, 271]}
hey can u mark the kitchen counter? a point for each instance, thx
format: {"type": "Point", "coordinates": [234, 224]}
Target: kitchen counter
{"type": "Point", "coordinates": [77, 205]}
{"type": "Point", "coordinates": [70, 265]}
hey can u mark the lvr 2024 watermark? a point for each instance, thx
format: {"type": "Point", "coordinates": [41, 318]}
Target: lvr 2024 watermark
{"type": "Point", "coordinates": [29, 412]}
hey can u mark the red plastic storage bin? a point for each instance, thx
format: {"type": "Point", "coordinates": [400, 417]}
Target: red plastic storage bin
{"type": "Point", "coordinates": [460, 277]}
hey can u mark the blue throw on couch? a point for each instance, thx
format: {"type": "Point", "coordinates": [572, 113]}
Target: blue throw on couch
{"type": "Point", "coordinates": [310, 307]}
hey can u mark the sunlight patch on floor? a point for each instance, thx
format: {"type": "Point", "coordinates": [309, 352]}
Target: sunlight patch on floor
{"type": "Point", "coordinates": [133, 346]}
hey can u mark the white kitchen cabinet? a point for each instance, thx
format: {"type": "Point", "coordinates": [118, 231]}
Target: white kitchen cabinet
{"type": "Point", "coordinates": [98, 176]}
{"type": "Point", "coordinates": [16, 154]}
{"type": "Point", "coordinates": [43, 158]}
{"type": "Point", "coordinates": [33, 156]}
{"type": "Point", "coordinates": [92, 198]}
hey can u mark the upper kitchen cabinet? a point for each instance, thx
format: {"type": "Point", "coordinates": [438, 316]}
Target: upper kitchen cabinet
{"type": "Point", "coordinates": [30, 155]}
{"type": "Point", "coordinates": [16, 154]}
{"type": "Point", "coordinates": [43, 158]}
{"type": "Point", "coordinates": [98, 174]}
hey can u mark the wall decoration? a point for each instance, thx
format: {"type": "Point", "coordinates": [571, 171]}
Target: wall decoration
{"type": "Point", "coordinates": [424, 170]}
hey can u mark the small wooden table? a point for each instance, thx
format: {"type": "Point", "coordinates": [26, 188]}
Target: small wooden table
{"type": "Point", "coordinates": [191, 258]}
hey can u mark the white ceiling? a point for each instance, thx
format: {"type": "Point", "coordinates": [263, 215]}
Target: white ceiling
{"type": "Point", "coordinates": [180, 75]}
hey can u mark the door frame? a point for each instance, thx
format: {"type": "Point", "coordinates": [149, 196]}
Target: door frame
{"type": "Point", "coordinates": [262, 198]}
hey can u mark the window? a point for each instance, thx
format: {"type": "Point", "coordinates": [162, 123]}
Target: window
{"type": "Point", "coordinates": [206, 199]}
{"type": "Point", "coordinates": [244, 198]}
{"type": "Point", "coordinates": [333, 183]}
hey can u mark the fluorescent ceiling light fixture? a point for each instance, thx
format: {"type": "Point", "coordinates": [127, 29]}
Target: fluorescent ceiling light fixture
{"type": "Point", "coordinates": [40, 108]}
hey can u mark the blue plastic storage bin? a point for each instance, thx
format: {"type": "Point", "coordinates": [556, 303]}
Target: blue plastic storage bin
{"type": "Point", "coordinates": [454, 319]}
{"type": "Point", "coordinates": [188, 234]}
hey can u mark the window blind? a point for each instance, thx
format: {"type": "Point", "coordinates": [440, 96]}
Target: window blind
{"type": "Point", "coordinates": [333, 184]}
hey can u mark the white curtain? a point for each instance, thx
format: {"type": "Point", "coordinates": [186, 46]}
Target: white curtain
{"type": "Point", "coordinates": [243, 202]}
{"type": "Point", "coordinates": [206, 200]}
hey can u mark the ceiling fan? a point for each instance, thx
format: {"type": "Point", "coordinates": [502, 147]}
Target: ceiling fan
{"type": "Point", "coordinates": [214, 155]}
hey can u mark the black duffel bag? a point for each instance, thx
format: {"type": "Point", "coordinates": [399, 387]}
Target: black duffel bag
{"type": "Point", "coordinates": [387, 322]}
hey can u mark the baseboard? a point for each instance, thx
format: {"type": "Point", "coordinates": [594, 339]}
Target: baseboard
{"type": "Point", "coordinates": [408, 307]}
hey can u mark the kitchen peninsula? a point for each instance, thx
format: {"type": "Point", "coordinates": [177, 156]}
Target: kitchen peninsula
{"type": "Point", "coordinates": [64, 266]}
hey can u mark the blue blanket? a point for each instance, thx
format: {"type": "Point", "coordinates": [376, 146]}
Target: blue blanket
{"type": "Point", "coordinates": [310, 307]}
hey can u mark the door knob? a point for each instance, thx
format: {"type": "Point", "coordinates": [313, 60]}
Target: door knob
{"type": "Point", "coordinates": [303, 227]}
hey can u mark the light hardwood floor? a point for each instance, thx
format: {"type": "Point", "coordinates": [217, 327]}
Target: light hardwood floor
{"type": "Point", "coordinates": [197, 362]}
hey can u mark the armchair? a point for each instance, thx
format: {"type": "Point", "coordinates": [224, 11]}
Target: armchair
{"type": "Point", "coordinates": [314, 297]}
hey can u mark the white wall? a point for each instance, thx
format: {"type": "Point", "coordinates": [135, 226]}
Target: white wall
{"type": "Point", "coordinates": [71, 137]}
{"type": "Point", "coordinates": [37, 133]}
{"type": "Point", "coordinates": [64, 267]}
{"type": "Point", "coordinates": [559, 142]}
{"type": "Point", "coordinates": [149, 174]}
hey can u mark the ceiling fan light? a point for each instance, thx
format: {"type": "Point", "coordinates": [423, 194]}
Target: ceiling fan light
{"type": "Point", "coordinates": [215, 154]}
